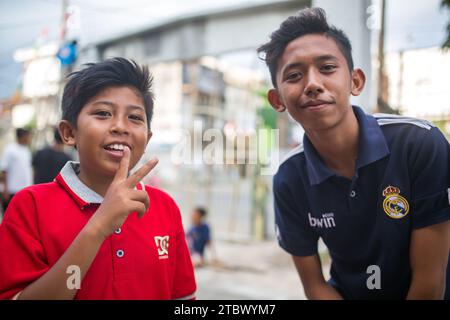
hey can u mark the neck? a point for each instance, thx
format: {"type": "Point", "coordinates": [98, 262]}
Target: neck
{"type": "Point", "coordinates": [99, 184]}
{"type": "Point", "coordinates": [338, 146]}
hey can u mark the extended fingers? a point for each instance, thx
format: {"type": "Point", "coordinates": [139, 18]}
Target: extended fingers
{"type": "Point", "coordinates": [122, 172]}
{"type": "Point", "coordinates": [141, 173]}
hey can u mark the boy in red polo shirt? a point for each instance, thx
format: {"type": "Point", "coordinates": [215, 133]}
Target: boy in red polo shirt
{"type": "Point", "coordinates": [96, 232]}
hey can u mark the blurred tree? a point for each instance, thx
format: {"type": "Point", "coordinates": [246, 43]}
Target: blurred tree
{"type": "Point", "coordinates": [446, 5]}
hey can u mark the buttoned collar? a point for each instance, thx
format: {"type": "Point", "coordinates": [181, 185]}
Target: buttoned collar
{"type": "Point", "coordinates": [372, 147]}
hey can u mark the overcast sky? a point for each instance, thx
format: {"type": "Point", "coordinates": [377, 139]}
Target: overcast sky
{"type": "Point", "coordinates": [410, 23]}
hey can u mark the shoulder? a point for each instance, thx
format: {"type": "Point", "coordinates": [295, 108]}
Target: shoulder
{"type": "Point", "coordinates": [160, 197]}
{"type": "Point", "coordinates": [39, 154]}
{"type": "Point", "coordinates": [45, 191]}
{"type": "Point", "coordinates": [416, 132]}
{"type": "Point", "coordinates": [158, 193]}
{"type": "Point", "coordinates": [395, 123]}
{"type": "Point", "coordinates": [26, 202]}
{"type": "Point", "coordinates": [9, 148]}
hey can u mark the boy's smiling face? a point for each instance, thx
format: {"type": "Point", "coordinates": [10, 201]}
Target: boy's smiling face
{"type": "Point", "coordinates": [314, 83]}
{"type": "Point", "coordinates": [111, 120]}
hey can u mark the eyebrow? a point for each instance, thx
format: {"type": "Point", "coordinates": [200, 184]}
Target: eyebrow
{"type": "Point", "coordinates": [112, 104]}
{"type": "Point", "coordinates": [317, 59]}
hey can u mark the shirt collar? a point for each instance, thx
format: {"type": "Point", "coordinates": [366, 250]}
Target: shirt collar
{"type": "Point", "coordinates": [69, 180]}
{"type": "Point", "coordinates": [372, 147]}
{"type": "Point", "coordinates": [81, 193]}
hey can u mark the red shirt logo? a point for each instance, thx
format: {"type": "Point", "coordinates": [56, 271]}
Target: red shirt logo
{"type": "Point", "coordinates": [162, 243]}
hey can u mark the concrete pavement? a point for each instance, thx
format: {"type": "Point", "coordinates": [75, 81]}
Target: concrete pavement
{"type": "Point", "coordinates": [249, 270]}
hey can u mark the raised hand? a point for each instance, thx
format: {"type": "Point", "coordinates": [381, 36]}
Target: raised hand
{"type": "Point", "coordinates": [122, 198]}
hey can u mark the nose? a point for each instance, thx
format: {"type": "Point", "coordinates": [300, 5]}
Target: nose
{"type": "Point", "coordinates": [119, 126]}
{"type": "Point", "coordinates": [314, 84]}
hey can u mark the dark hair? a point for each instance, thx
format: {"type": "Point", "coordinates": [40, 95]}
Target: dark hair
{"type": "Point", "coordinates": [21, 132]}
{"type": "Point", "coordinates": [202, 211]}
{"type": "Point", "coordinates": [306, 21]}
{"type": "Point", "coordinates": [57, 136]}
{"type": "Point", "coordinates": [84, 84]}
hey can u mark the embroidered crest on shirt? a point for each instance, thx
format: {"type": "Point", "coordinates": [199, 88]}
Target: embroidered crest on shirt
{"type": "Point", "coordinates": [394, 204]}
{"type": "Point", "coordinates": [162, 244]}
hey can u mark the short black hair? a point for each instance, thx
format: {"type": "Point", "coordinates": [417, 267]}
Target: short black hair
{"type": "Point", "coordinates": [57, 136]}
{"type": "Point", "coordinates": [84, 84]}
{"type": "Point", "coordinates": [306, 21]}
{"type": "Point", "coordinates": [202, 211]}
{"type": "Point", "coordinates": [21, 132]}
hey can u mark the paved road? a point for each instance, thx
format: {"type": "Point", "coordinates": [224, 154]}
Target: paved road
{"type": "Point", "coordinates": [250, 271]}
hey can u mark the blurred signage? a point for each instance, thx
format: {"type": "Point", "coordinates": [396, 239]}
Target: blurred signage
{"type": "Point", "coordinates": [67, 54]}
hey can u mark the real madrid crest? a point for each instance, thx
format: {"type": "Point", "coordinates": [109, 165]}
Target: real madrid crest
{"type": "Point", "coordinates": [394, 204]}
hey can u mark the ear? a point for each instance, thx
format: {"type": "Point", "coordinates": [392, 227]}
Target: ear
{"type": "Point", "coordinates": [67, 133]}
{"type": "Point", "coordinates": [358, 82]}
{"type": "Point", "coordinates": [275, 101]}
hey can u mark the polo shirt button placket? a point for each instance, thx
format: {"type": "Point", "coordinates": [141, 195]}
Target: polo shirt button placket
{"type": "Point", "coordinates": [352, 194]}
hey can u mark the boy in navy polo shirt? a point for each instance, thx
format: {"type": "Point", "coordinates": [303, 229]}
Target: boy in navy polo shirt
{"type": "Point", "coordinates": [96, 232]}
{"type": "Point", "coordinates": [375, 189]}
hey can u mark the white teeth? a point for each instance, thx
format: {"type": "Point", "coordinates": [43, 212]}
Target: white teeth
{"type": "Point", "coordinates": [116, 146]}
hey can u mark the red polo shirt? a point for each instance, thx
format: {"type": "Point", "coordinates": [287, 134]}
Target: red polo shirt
{"type": "Point", "coordinates": [146, 258]}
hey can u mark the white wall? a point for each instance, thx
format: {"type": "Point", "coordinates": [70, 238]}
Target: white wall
{"type": "Point", "coordinates": [351, 16]}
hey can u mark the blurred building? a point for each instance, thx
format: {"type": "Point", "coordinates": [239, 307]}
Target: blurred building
{"type": "Point", "coordinates": [36, 104]}
{"type": "Point", "coordinates": [418, 84]}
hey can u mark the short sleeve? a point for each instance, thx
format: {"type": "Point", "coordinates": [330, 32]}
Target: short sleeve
{"type": "Point", "coordinates": [294, 233]}
{"type": "Point", "coordinates": [22, 256]}
{"type": "Point", "coordinates": [430, 177]}
{"type": "Point", "coordinates": [184, 286]}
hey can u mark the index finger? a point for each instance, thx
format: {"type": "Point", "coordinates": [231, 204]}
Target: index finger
{"type": "Point", "coordinates": [134, 179]}
{"type": "Point", "coordinates": [122, 172]}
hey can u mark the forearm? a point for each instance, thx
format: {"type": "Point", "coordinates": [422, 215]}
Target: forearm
{"type": "Point", "coordinates": [322, 292]}
{"type": "Point", "coordinates": [429, 267]}
{"type": "Point", "coordinates": [53, 284]}
{"type": "Point", "coordinates": [426, 289]}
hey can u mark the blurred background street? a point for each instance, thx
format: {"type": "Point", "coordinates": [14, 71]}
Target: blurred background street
{"type": "Point", "coordinates": [249, 270]}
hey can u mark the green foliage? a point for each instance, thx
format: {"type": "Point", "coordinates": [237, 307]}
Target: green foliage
{"type": "Point", "coordinates": [266, 114]}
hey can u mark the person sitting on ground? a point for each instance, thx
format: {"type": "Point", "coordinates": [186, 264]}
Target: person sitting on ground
{"type": "Point", "coordinates": [198, 236]}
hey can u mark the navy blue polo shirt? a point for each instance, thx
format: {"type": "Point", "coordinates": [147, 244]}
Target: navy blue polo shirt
{"type": "Point", "coordinates": [401, 183]}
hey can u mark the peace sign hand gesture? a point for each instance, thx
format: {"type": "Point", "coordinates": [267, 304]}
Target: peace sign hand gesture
{"type": "Point", "coordinates": [122, 198]}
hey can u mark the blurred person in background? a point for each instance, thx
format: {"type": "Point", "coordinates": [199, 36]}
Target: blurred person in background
{"type": "Point", "coordinates": [16, 169]}
{"type": "Point", "coordinates": [49, 161]}
{"type": "Point", "coordinates": [198, 236]}
{"type": "Point", "coordinates": [375, 189]}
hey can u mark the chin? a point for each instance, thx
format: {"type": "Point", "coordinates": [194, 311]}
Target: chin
{"type": "Point", "coordinates": [110, 169]}
{"type": "Point", "coordinates": [320, 125]}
